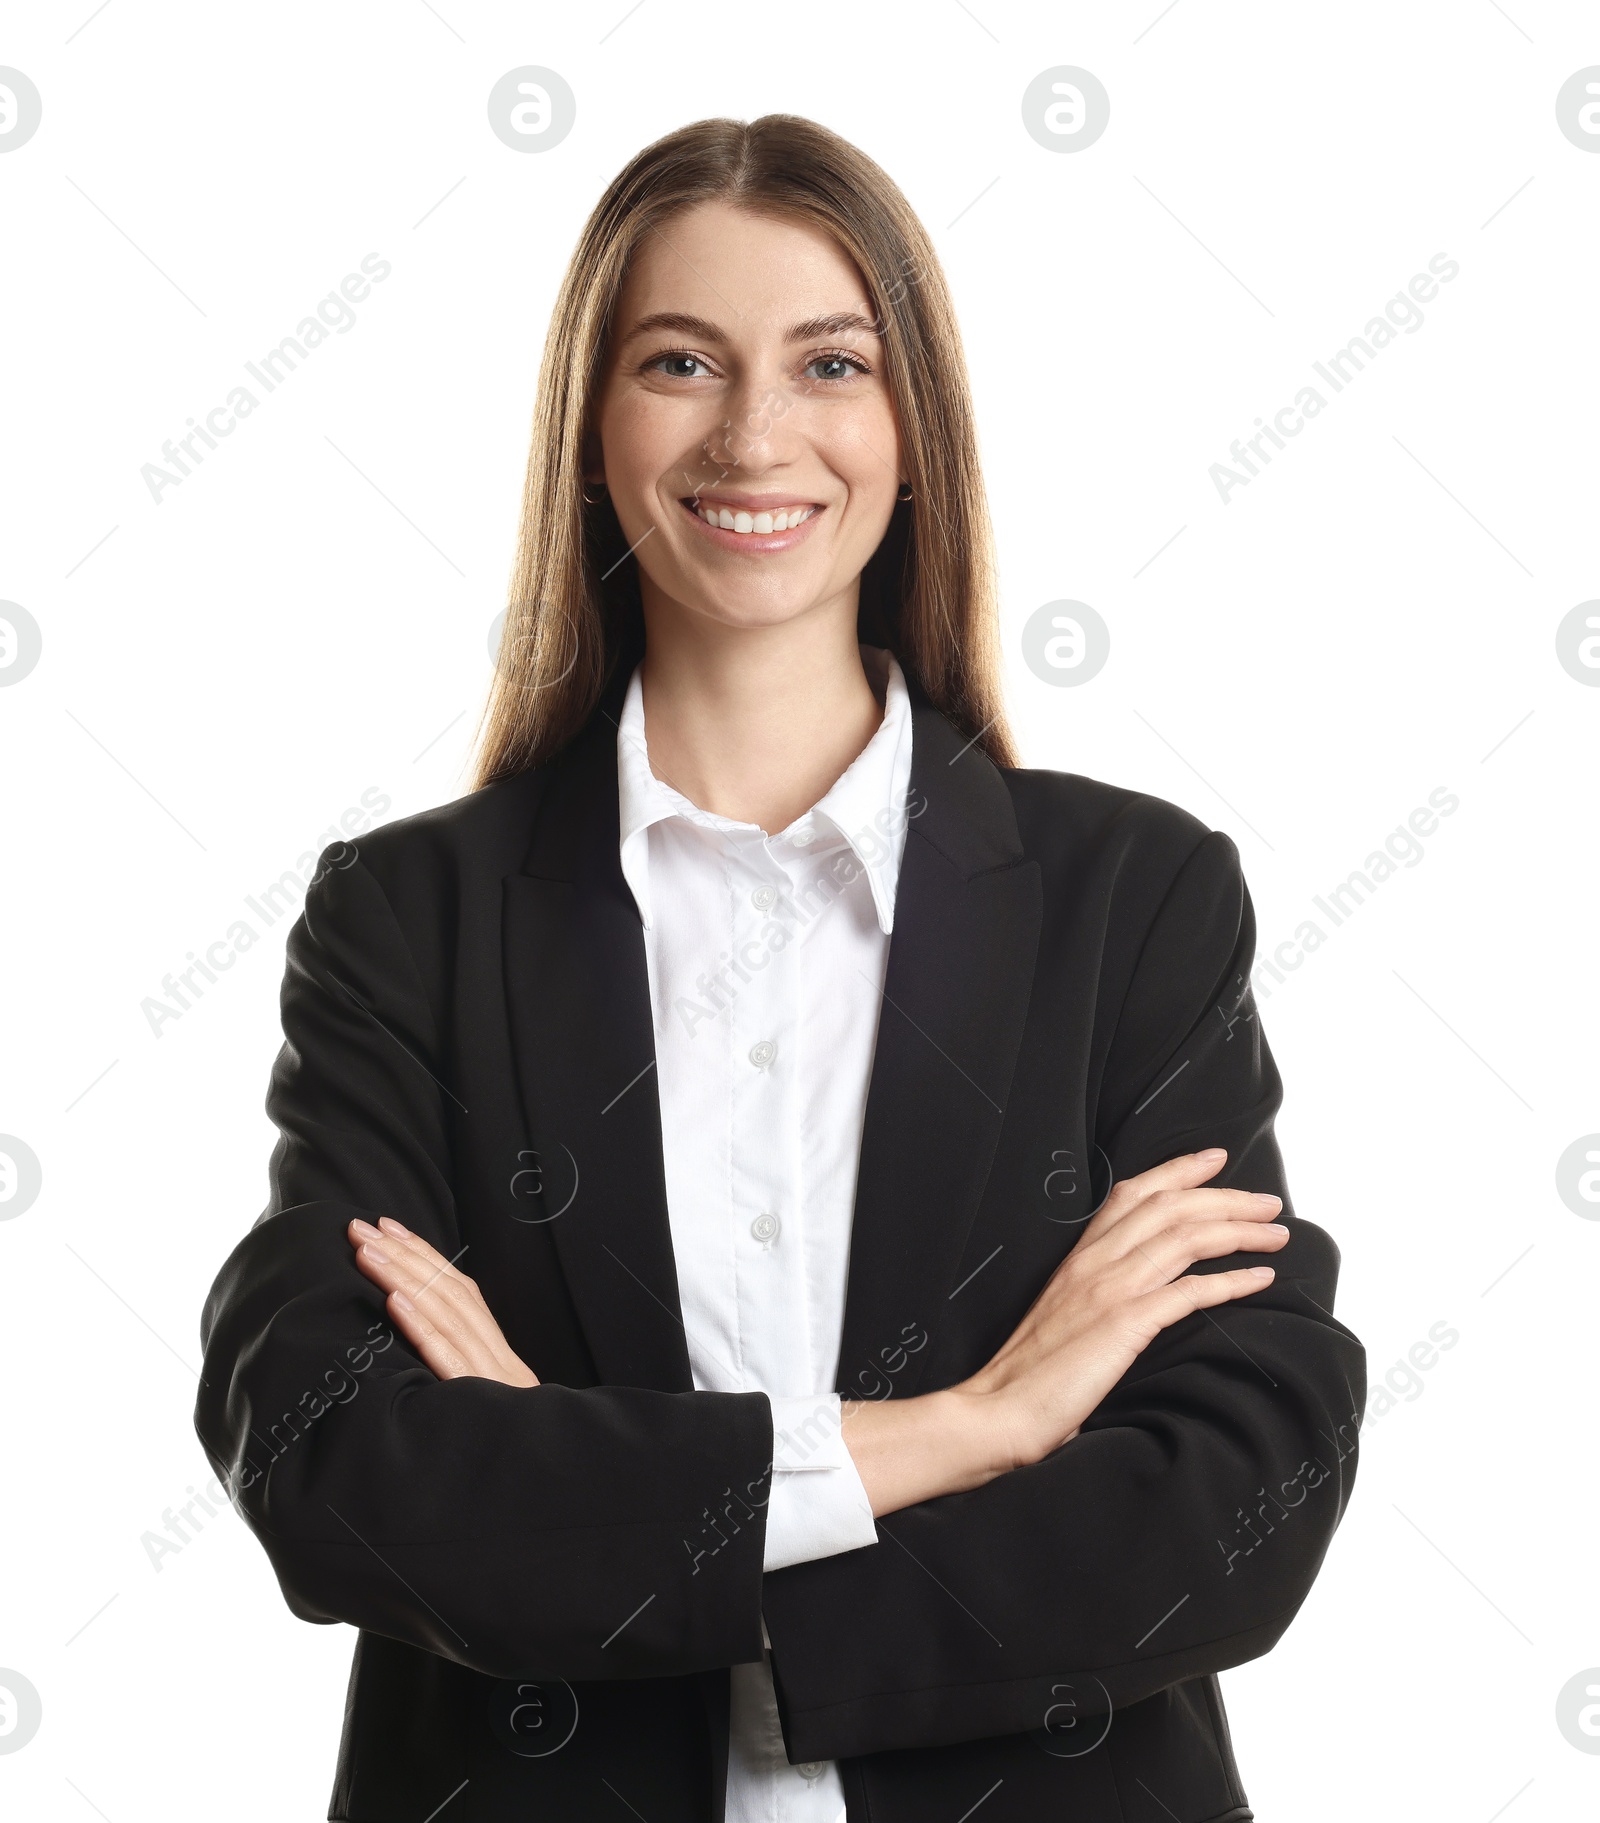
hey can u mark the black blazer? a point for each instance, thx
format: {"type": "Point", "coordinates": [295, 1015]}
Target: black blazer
{"type": "Point", "coordinates": [550, 1582]}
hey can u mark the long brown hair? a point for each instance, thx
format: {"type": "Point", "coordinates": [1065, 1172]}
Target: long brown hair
{"type": "Point", "coordinates": [928, 593]}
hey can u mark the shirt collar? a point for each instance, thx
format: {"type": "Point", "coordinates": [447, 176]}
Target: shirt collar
{"type": "Point", "coordinates": [866, 804]}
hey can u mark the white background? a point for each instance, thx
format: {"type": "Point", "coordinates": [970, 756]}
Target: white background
{"type": "Point", "coordinates": [306, 616]}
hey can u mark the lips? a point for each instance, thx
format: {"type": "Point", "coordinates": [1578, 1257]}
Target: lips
{"type": "Point", "coordinates": [756, 524]}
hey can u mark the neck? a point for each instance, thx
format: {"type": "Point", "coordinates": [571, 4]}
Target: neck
{"type": "Point", "coordinates": [755, 723]}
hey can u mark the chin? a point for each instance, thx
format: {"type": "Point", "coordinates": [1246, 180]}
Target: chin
{"type": "Point", "coordinates": [754, 612]}
{"type": "Point", "coordinates": [746, 602]}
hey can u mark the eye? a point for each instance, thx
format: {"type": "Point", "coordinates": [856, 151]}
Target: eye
{"type": "Point", "coordinates": [679, 366]}
{"type": "Point", "coordinates": [836, 366]}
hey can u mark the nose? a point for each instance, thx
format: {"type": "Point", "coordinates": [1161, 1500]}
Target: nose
{"type": "Point", "coordinates": [755, 431]}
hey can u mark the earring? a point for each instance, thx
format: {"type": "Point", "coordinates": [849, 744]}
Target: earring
{"type": "Point", "coordinates": [905, 493]}
{"type": "Point", "coordinates": [594, 499]}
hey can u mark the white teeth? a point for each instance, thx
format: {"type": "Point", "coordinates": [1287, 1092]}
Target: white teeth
{"type": "Point", "coordinates": [758, 525]}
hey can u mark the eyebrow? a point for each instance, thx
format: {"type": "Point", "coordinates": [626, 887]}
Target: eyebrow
{"type": "Point", "coordinates": [842, 322]}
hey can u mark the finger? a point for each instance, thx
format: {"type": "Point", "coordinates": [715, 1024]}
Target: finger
{"type": "Point", "coordinates": [1152, 1224]}
{"type": "Point", "coordinates": [455, 1303]}
{"type": "Point", "coordinates": [434, 1267]}
{"type": "Point", "coordinates": [1145, 1265]}
{"type": "Point", "coordinates": [1163, 1259]}
{"type": "Point", "coordinates": [421, 1250]}
{"type": "Point", "coordinates": [1186, 1171]}
{"type": "Point", "coordinates": [466, 1321]}
{"type": "Point", "coordinates": [1204, 1291]}
{"type": "Point", "coordinates": [400, 1241]}
{"type": "Point", "coordinates": [438, 1352]}
{"type": "Point", "coordinates": [431, 1269]}
{"type": "Point", "coordinates": [383, 1259]}
{"type": "Point", "coordinates": [1173, 1208]}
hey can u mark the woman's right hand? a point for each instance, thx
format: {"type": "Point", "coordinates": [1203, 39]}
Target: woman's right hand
{"type": "Point", "coordinates": [1125, 1281]}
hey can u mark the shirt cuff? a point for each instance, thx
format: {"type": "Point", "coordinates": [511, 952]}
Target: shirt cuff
{"type": "Point", "coordinates": [818, 1506]}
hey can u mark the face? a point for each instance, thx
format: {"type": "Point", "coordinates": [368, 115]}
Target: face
{"type": "Point", "coordinates": [744, 384]}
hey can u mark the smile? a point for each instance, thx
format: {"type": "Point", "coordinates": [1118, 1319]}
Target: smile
{"type": "Point", "coordinates": [771, 528]}
{"type": "Point", "coordinates": [756, 525]}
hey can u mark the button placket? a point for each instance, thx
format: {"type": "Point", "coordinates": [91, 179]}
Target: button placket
{"type": "Point", "coordinates": [769, 1277]}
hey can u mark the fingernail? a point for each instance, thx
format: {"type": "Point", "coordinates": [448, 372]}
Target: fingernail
{"type": "Point", "coordinates": [1212, 1152]}
{"type": "Point", "coordinates": [364, 1228]}
{"type": "Point", "coordinates": [1264, 1199]}
{"type": "Point", "coordinates": [375, 1254]}
{"type": "Point", "coordinates": [1274, 1228]}
{"type": "Point", "coordinates": [392, 1225]}
{"type": "Point", "coordinates": [402, 1302]}
{"type": "Point", "coordinates": [1261, 1272]}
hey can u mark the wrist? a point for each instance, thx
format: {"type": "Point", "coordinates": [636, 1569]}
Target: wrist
{"type": "Point", "coordinates": [981, 1425]}
{"type": "Point", "coordinates": [1005, 1429]}
{"type": "Point", "coordinates": [910, 1450]}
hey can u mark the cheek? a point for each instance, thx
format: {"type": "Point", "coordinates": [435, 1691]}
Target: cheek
{"type": "Point", "coordinates": [643, 437]}
{"type": "Point", "coordinates": [626, 436]}
{"type": "Point", "coordinates": [863, 448]}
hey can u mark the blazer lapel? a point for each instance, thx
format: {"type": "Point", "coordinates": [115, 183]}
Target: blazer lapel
{"type": "Point", "coordinates": [578, 1003]}
{"type": "Point", "coordinates": [961, 961]}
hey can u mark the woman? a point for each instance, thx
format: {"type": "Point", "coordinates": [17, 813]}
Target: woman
{"type": "Point", "coordinates": [727, 1362]}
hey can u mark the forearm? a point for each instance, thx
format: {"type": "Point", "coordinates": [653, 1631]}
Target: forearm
{"type": "Point", "coordinates": [910, 1450]}
{"type": "Point", "coordinates": [511, 1529]}
{"type": "Point", "coordinates": [1102, 1558]}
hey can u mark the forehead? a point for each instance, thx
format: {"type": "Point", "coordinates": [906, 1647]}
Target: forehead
{"type": "Point", "coordinates": [748, 273]}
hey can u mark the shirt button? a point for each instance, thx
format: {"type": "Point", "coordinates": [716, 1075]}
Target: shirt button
{"type": "Point", "coordinates": [765, 1227]}
{"type": "Point", "coordinates": [762, 1053]}
{"type": "Point", "coordinates": [810, 1769]}
{"type": "Point", "coordinates": [764, 898]}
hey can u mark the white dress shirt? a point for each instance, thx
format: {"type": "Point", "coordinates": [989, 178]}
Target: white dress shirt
{"type": "Point", "coordinates": [766, 958]}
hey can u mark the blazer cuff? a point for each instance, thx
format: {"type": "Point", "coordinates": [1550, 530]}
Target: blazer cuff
{"type": "Point", "coordinates": [818, 1506]}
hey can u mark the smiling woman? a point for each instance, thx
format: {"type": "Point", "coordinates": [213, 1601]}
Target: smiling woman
{"type": "Point", "coordinates": [763, 307]}
{"type": "Point", "coordinates": [606, 1087]}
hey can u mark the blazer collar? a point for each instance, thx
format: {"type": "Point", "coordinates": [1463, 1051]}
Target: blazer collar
{"type": "Point", "coordinates": [577, 991]}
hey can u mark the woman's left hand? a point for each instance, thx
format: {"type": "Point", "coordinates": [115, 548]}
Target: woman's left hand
{"type": "Point", "coordinates": [439, 1311]}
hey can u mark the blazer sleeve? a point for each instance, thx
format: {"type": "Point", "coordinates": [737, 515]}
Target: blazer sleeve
{"type": "Point", "coordinates": [1179, 1532]}
{"type": "Point", "coordinates": [518, 1531]}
